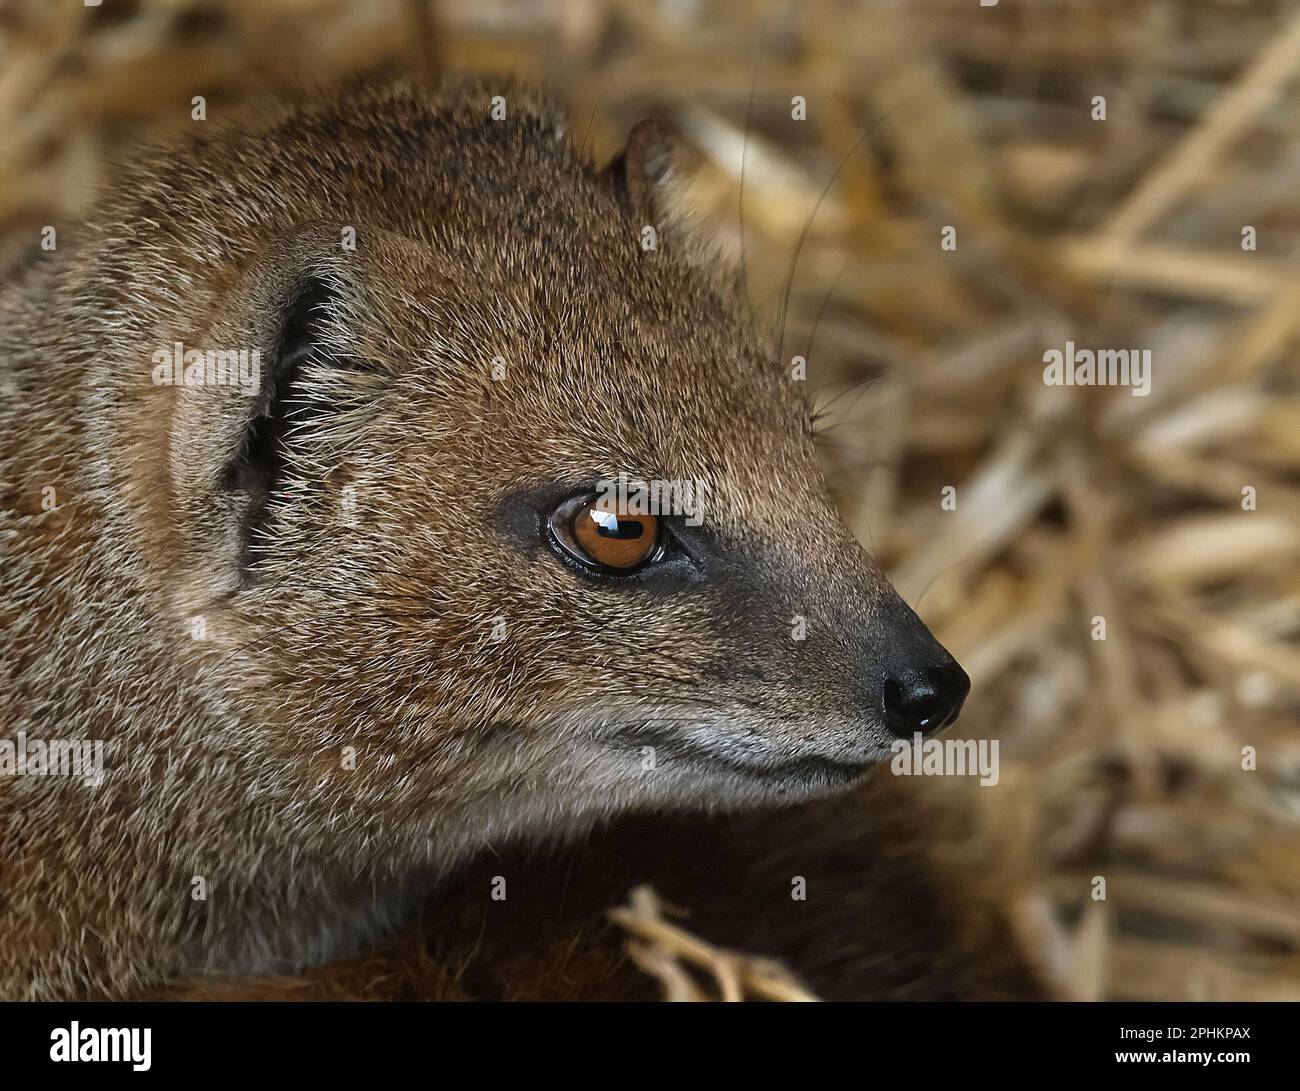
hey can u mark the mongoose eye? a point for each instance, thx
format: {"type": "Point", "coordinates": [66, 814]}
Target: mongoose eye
{"type": "Point", "coordinates": [600, 535]}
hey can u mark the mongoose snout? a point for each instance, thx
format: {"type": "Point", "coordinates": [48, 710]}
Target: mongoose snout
{"type": "Point", "coordinates": [922, 687]}
{"type": "Point", "coordinates": [925, 699]}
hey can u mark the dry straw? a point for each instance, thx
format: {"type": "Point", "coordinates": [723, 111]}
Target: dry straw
{"type": "Point", "coordinates": [1122, 758]}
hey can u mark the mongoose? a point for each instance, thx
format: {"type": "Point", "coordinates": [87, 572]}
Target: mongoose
{"type": "Point", "coordinates": [359, 608]}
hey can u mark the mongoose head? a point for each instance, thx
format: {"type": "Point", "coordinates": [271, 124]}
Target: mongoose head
{"type": "Point", "coordinates": [401, 551]}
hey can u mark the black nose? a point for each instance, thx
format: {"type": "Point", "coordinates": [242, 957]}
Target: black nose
{"type": "Point", "coordinates": [924, 699]}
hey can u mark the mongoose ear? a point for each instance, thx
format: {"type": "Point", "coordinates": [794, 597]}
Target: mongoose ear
{"type": "Point", "coordinates": [645, 173]}
{"type": "Point", "coordinates": [651, 180]}
{"type": "Point", "coordinates": [311, 383]}
{"type": "Point", "coordinates": [259, 456]}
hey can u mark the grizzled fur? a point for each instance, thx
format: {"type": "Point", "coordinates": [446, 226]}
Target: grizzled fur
{"type": "Point", "coordinates": [318, 629]}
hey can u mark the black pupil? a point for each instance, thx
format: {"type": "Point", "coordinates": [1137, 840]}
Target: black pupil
{"type": "Point", "coordinates": [608, 526]}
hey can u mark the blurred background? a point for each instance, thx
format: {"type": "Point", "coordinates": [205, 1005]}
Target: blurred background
{"type": "Point", "coordinates": [1119, 173]}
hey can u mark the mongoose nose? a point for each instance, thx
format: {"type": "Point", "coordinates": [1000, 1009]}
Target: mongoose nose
{"type": "Point", "coordinates": [925, 700]}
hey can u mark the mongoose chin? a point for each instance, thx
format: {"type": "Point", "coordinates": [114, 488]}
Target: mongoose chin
{"type": "Point", "coordinates": [345, 618]}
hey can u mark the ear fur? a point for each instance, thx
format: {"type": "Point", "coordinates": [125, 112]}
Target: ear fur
{"type": "Point", "coordinates": [234, 451]}
{"type": "Point", "coordinates": [299, 393]}
{"type": "Point", "coordinates": [644, 171]}
{"type": "Point", "coordinates": [650, 179]}
{"type": "Point", "coordinates": [250, 475]}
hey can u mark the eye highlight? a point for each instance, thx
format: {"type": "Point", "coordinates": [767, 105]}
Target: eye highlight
{"type": "Point", "coordinates": [598, 535]}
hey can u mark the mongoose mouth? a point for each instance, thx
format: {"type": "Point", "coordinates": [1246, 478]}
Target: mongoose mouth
{"type": "Point", "coordinates": [809, 771]}
{"type": "Point", "coordinates": [812, 771]}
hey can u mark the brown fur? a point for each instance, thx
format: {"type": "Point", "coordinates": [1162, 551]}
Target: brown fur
{"type": "Point", "coordinates": [878, 924]}
{"type": "Point", "coordinates": [359, 612]}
